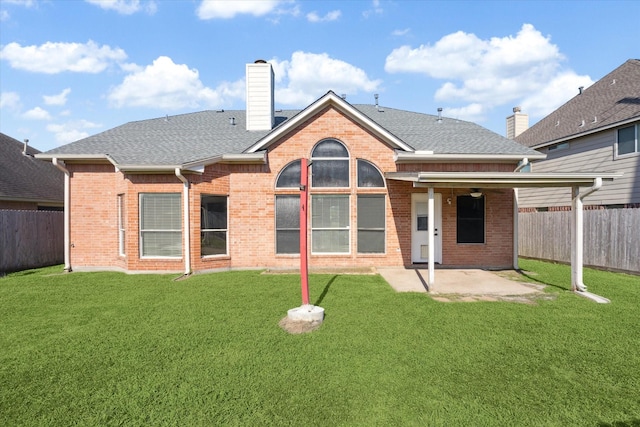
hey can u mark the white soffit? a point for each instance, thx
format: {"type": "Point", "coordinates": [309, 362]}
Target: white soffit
{"type": "Point", "coordinates": [500, 179]}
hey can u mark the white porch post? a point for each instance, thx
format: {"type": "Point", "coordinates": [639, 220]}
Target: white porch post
{"type": "Point", "coordinates": [431, 225]}
{"type": "Point", "coordinates": [515, 229]}
{"type": "Point", "coordinates": [576, 239]}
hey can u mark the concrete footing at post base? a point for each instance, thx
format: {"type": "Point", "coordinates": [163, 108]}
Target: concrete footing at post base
{"type": "Point", "coordinates": [306, 313]}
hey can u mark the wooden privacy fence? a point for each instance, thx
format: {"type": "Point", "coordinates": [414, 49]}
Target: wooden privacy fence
{"type": "Point", "coordinates": [30, 239]}
{"type": "Point", "coordinates": [611, 237]}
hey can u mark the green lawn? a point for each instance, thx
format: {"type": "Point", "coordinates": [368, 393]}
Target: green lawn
{"type": "Point", "coordinates": [95, 349]}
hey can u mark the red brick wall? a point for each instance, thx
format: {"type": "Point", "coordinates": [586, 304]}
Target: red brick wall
{"type": "Point", "coordinates": [251, 208]}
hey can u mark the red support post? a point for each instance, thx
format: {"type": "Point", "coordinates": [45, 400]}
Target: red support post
{"type": "Point", "coordinates": [304, 218]}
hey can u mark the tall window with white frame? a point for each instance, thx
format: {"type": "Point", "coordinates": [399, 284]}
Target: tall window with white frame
{"type": "Point", "coordinates": [371, 210]}
{"type": "Point", "coordinates": [288, 210]}
{"type": "Point", "coordinates": [331, 204]}
{"type": "Point", "coordinates": [160, 225]}
{"type": "Point", "coordinates": [213, 225]}
{"type": "Point", "coordinates": [330, 213]}
{"type": "Point", "coordinates": [121, 226]}
{"type": "Point", "coordinates": [627, 140]}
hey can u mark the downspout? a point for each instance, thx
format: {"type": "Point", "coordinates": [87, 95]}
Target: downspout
{"type": "Point", "coordinates": [185, 216]}
{"type": "Point", "coordinates": [577, 250]}
{"type": "Point", "coordinates": [524, 162]}
{"type": "Point", "coordinates": [67, 208]}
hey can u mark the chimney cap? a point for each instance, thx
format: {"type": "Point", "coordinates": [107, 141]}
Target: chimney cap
{"type": "Point", "coordinates": [260, 61]}
{"type": "Point", "coordinates": [517, 109]}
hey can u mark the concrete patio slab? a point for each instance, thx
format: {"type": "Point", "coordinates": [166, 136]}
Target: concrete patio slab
{"type": "Point", "coordinates": [458, 281]}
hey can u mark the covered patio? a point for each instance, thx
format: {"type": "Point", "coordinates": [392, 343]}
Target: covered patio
{"type": "Point", "coordinates": [485, 180]}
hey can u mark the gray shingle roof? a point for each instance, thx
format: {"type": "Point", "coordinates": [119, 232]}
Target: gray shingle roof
{"type": "Point", "coordinates": [613, 99]}
{"type": "Point", "coordinates": [193, 137]}
{"type": "Point", "coordinates": [25, 177]}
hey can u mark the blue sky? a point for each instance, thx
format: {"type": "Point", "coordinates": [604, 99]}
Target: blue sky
{"type": "Point", "coordinates": [73, 68]}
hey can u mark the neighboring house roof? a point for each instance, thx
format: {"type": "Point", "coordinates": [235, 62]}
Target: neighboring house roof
{"type": "Point", "coordinates": [25, 178]}
{"type": "Point", "coordinates": [611, 101]}
{"type": "Point", "coordinates": [198, 137]}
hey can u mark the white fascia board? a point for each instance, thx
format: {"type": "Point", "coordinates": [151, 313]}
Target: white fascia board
{"type": "Point", "coordinates": [425, 157]}
{"type": "Point", "coordinates": [586, 133]}
{"type": "Point", "coordinates": [501, 179]}
{"type": "Point", "coordinates": [72, 157]}
{"type": "Point", "coordinates": [329, 99]}
{"type": "Point", "coordinates": [259, 157]}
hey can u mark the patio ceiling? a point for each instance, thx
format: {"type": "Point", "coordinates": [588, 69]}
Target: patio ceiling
{"type": "Point", "coordinates": [501, 179]}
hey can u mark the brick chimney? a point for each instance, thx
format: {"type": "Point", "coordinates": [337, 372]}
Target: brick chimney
{"type": "Point", "coordinates": [260, 102]}
{"type": "Point", "coordinates": [517, 123]}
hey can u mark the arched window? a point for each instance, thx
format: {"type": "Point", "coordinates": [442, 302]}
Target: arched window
{"type": "Point", "coordinates": [369, 175]}
{"type": "Point", "coordinates": [289, 176]}
{"type": "Point", "coordinates": [330, 166]}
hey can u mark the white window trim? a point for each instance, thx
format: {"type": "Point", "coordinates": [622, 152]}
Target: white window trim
{"type": "Point", "coordinates": [348, 228]}
{"type": "Point", "coordinates": [276, 229]}
{"type": "Point", "coordinates": [347, 159]}
{"type": "Point", "coordinates": [121, 226]}
{"type": "Point", "coordinates": [384, 182]}
{"type": "Point", "coordinates": [384, 196]}
{"type": "Point", "coordinates": [226, 230]}
{"type": "Point", "coordinates": [634, 153]}
{"type": "Point", "coordinates": [140, 195]}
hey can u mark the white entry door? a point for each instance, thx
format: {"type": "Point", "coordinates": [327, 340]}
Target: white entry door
{"type": "Point", "coordinates": [420, 230]}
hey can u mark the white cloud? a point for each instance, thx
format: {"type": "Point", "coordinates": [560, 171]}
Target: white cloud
{"type": "Point", "coordinates": [59, 99]}
{"type": "Point", "coordinates": [10, 101]}
{"type": "Point", "coordinates": [25, 3]}
{"type": "Point", "coordinates": [472, 112]}
{"type": "Point", "coordinates": [375, 9]}
{"type": "Point", "coordinates": [71, 131]}
{"type": "Point", "coordinates": [169, 86]}
{"type": "Point", "coordinates": [489, 73]}
{"type": "Point", "coordinates": [330, 16]}
{"type": "Point", "coordinates": [307, 76]}
{"type": "Point", "coordinates": [224, 9]}
{"type": "Point", "coordinates": [403, 32]}
{"type": "Point", "coordinates": [37, 113]}
{"type": "Point", "coordinates": [559, 90]}
{"type": "Point", "coordinates": [53, 58]}
{"type": "Point", "coordinates": [126, 7]}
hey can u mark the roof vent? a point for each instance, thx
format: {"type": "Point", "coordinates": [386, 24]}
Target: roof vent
{"type": "Point", "coordinates": [595, 119]}
{"type": "Point", "coordinates": [517, 109]}
{"type": "Point", "coordinates": [378, 108]}
{"type": "Point", "coordinates": [232, 121]}
{"type": "Point", "coordinates": [439, 114]}
{"type": "Point", "coordinates": [581, 124]}
{"type": "Point", "coordinates": [344, 96]}
{"type": "Point", "coordinates": [26, 145]}
{"type": "Point", "coordinates": [580, 89]}
{"type": "Point", "coordinates": [613, 81]}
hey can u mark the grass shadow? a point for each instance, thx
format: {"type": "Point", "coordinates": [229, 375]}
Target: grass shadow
{"type": "Point", "coordinates": [527, 274]}
{"type": "Point", "coordinates": [325, 291]}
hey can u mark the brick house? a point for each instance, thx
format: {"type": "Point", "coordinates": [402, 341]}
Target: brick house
{"type": "Point", "coordinates": [221, 189]}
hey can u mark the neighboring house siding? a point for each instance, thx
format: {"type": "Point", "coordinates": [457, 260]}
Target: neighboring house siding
{"type": "Point", "coordinates": [591, 153]}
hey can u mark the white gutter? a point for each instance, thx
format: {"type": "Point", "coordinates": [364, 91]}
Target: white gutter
{"type": "Point", "coordinates": [185, 216]}
{"type": "Point", "coordinates": [524, 162]}
{"type": "Point", "coordinates": [426, 156]}
{"type": "Point", "coordinates": [67, 208]}
{"type": "Point", "coordinates": [577, 237]}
